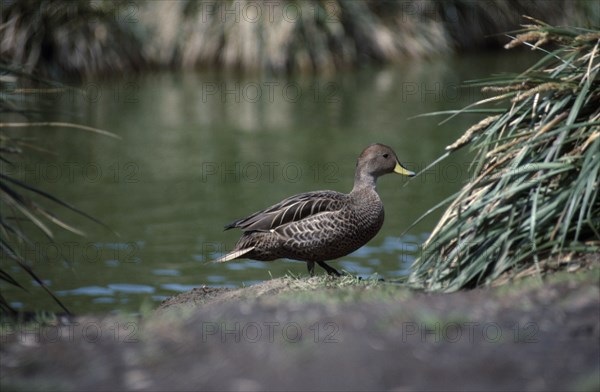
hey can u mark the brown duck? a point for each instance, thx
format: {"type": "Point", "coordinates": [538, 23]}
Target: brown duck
{"type": "Point", "coordinates": [322, 225]}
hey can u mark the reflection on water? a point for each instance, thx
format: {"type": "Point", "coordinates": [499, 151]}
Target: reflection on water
{"type": "Point", "coordinates": [200, 150]}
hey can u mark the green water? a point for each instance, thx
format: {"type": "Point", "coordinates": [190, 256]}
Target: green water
{"type": "Point", "coordinates": [199, 150]}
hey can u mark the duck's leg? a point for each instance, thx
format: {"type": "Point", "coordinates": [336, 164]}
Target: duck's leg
{"type": "Point", "coordinates": [330, 270]}
{"type": "Point", "coordinates": [311, 267]}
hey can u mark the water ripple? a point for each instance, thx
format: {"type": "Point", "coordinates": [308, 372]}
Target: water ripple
{"type": "Point", "coordinates": [131, 288]}
{"type": "Point", "coordinates": [166, 272]}
{"type": "Point", "coordinates": [177, 287]}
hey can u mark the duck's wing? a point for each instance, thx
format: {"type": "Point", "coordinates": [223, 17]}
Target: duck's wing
{"type": "Point", "coordinates": [292, 209]}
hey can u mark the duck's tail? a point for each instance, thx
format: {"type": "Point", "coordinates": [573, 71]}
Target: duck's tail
{"type": "Point", "coordinates": [233, 255]}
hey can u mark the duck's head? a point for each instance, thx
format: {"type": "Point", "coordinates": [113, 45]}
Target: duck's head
{"type": "Point", "coordinates": [375, 161]}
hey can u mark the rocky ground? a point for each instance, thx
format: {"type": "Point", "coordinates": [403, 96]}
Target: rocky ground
{"type": "Point", "coordinates": [323, 334]}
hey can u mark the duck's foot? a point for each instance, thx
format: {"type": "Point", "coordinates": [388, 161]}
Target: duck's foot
{"type": "Point", "coordinates": [330, 270]}
{"type": "Point", "coordinates": [379, 280]}
{"type": "Point", "coordinates": [311, 267]}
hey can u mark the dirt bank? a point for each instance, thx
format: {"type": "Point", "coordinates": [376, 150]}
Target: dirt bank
{"type": "Point", "coordinates": [316, 334]}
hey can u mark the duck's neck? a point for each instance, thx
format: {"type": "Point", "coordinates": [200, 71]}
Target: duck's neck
{"type": "Point", "coordinates": [364, 182]}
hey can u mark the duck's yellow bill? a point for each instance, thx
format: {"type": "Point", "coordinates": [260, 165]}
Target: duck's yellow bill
{"type": "Point", "coordinates": [402, 170]}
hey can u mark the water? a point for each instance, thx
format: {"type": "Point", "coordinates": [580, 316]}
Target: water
{"type": "Point", "coordinates": [200, 150]}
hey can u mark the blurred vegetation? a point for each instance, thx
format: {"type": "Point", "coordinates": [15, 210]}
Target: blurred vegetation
{"type": "Point", "coordinates": [61, 39]}
{"type": "Point", "coordinates": [25, 209]}
{"type": "Point", "coordinates": [83, 38]}
{"type": "Point", "coordinates": [532, 205]}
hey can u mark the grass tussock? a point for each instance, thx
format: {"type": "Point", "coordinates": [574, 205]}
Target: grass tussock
{"type": "Point", "coordinates": [533, 198]}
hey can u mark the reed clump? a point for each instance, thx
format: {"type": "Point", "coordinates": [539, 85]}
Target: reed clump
{"type": "Point", "coordinates": [532, 204]}
{"type": "Point", "coordinates": [27, 211]}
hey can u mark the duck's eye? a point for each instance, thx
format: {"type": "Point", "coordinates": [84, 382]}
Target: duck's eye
{"type": "Point", "coordinates": [386, 155]}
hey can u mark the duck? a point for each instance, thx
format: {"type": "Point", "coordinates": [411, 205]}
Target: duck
{"type": "Point", "coordinates": [320, 226]}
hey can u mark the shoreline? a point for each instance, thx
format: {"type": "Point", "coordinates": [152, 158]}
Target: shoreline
{"type": "Point", "coordinates": [522, 335]}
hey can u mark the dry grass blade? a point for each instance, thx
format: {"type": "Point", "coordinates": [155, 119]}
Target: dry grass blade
{"type": "Point", "coordinates": [59, 125]}
{"type": "Point", "coordinates": [534, 193]}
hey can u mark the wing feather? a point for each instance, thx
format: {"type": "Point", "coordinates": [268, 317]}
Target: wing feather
{"type": "Point", "coordinates": [292, 209]}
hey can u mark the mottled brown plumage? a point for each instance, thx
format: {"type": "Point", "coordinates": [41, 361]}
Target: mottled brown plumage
{"type": "Point", "coordinates": [322, 225]}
